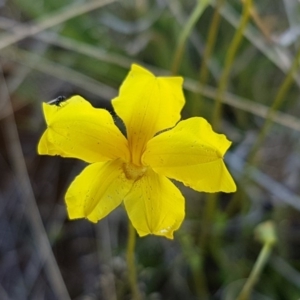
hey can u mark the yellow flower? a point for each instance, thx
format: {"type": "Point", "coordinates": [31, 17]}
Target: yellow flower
{"type": "Point", "coordinates": [136, 170]}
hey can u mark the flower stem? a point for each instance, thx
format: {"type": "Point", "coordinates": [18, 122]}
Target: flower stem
{"type": "Point", "coordinates": [255, 273]}
{"type": "Point", "coordinates": [274, 107]}
{"type": "Point", "coordinates": [130, 263]}
{"type": "Point", "coordinates": [211, 40]}
{"type": "Point", "coordinates": [207, 237]}
{"type": "Point", "coordinates": [266, 233]}
{"type": "Point", "coordinates": [191, 22]}
{"type": "Point", "coordinates": [280, 96]}
{"type": "Point", "coordinates": [233, 47]}
{"type": "Point", "coordinates": [210, 44]}
{"type": "Point", "coordinates": [252, 162]}
{"type": "Point", "coordinates": [208, 216]}
{"type": "Point", "coordinates": [194, 258]}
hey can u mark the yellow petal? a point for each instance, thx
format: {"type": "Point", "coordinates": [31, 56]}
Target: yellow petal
{"type": "Point", "coordinates": [192, 153]}
{"type": "Point", "coordinates": [155, 205]}
{"type": "Point", "coordinates": [98, 190]}
{"type": "Point", "coordinates": [77, 129]}
{"type": "Point", "coordinates": [147, 104]}
{"type": "Point", "coordinates": [46, 145]}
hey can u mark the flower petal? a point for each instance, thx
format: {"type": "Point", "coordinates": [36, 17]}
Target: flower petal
{"type": "Point", "coordinates": [77, 129]}
{"type": "Point", "coordinates": [155, 205]}
{"type": "Point", "coordinates": [147, 105]}
{"type": "Point", "coordinates": [98, 190]}
{"type": "Point", "coordinates": [192, 153]}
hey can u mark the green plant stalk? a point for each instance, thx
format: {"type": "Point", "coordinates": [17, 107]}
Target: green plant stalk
{"type": "Point", "coordinates": [283, 89]}
{"type": "Point", "coordinates": [209, 212]}
{"type": "Point", "coordinates": [194, 259]}
{"type": "Point", "coordinates": [199, 277]}
{"type": "Point", "coordinates": [232, 50]}
{"type": "Point", "coordinates": [131, 264]}
{"type": "Point", "coordinates": [201, 5]}
{"type": "Point", "coordinates": [211, 40]}
{"type": "Point", "coordinates": [256, 271]}
{"type": "Point", "coordinates": [66, 13]}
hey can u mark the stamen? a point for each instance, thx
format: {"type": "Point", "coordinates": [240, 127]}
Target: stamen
{"type": "Point", "coordinates": [134, 172]}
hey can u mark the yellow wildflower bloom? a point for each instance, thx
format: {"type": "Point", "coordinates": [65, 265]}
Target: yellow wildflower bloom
{"type": "Point", "coordinates": [136, 170]}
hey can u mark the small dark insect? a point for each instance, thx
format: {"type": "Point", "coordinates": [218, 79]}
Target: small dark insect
{"type": "Point", "coordinates": [57, 101]}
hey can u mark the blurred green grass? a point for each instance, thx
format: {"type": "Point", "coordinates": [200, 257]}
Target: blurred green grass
{"type": "Point", "coordinates": [45, 256]}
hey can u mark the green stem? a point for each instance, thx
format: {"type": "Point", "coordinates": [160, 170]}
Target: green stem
{"type": "Point", "coordinates": [194, 258]}
{"type": "Point", "coordinates": [53, 19]}
{"type": "Point", "coordinates": [210, 44]}
{"type": "Point", "coordinates": [275, 106]}
{"type": "Point", "coordinates": [131, 264]}
{"type": "Point", "coordinates": [197, 12]}
{"type": "Point", "coordinates": [284, 87]}
{"type": "Point", "coordinates": [209, 212]}
{"type": "Point", "coordinates": [233, 47]}
{"type": "Point", "coordinates": [199, 276]}
{"type": "Point", "coordinates": [211, 40]}
{"type": "Point", "coordinates": [256, 271]}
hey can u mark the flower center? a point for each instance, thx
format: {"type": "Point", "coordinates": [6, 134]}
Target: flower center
{"type": "Point", "coordinates": [134, 172]}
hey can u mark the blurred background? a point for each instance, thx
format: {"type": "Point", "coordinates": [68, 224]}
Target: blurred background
{"type": "Point", "coordinates": [239, 60]}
